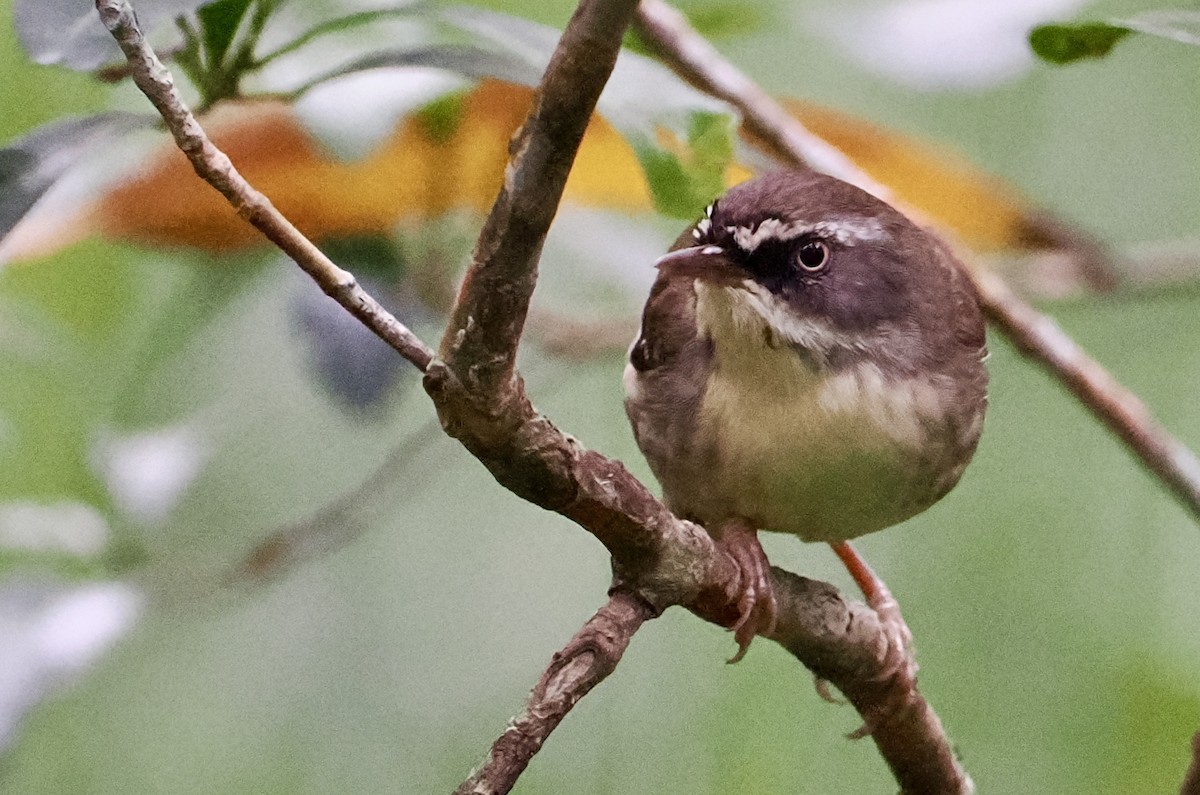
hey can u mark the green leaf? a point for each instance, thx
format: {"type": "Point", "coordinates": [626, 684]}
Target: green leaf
{"type": "Point", "coordinates": [440, 117]}
{"type": "Point", "coordinates": [219, 22]}
{"type": "Point", "coordinates": [1064, 44]}
{"type": "Point", "coordinates": [682, 183]}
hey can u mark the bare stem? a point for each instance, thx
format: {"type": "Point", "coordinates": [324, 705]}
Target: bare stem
{"type": "Point", "coordinates": [586, 661]}
{"type": "Point", "coordinates": [1040, 338]}
{"type": "Point", "coordinates": [215, 168]}
{"type": "Point", "coordinates": [1036, 335]}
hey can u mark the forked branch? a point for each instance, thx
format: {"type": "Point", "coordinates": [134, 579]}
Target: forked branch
{"type": "Point", "coordinates": [659, 560]}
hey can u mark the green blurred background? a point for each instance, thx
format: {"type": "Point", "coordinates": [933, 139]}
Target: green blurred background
{"type": "Point", "coordinates": [1053, 595]}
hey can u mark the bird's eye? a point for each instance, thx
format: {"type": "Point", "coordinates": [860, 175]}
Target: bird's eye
{"type": "Point", "coordinates": [813, 256]}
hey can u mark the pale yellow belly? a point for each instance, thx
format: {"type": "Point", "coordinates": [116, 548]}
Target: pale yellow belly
{"type": "Point", "coordinates": [825, 457]}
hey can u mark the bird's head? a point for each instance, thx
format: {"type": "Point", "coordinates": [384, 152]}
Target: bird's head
{"type": "Point", "coordinates": [820, 264]}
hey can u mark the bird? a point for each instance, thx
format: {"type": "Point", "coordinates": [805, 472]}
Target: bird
{"type": "Point", "coordinates": [810, 361]}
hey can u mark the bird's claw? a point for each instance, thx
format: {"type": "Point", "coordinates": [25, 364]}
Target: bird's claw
{"type": "Point", "coordinates": [757, 609]}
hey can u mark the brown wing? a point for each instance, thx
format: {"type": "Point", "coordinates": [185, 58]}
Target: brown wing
{"type": "Point", "coordinates": [668, 319]}
{"type": "Point", "coordinates": [670, 363]}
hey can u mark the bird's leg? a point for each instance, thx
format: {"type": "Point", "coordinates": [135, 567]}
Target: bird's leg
{"type": "Point", "coordinates": [755, 596]}
{"type": "Point", "coordinates": [899, 661]}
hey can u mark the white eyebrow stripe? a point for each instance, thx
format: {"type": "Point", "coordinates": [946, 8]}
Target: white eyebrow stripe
{"type": "Point", "coordinates": [847, 231]}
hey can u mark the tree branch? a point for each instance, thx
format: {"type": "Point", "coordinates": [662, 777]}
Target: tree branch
{"type": "Point", "coordinates": [840, 642]}
{"type": "Point", "coordinates": [1035, 334]}
{"type": "Point", "coordinates": [214, 167]}
{"type": "Point", "coordinates": [480, 398]}
{"type": "Point", "coordinates": [586, 661]}
{"type": "Point", "coordinates": [480, 343]}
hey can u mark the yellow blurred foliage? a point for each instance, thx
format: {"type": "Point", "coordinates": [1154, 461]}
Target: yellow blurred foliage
{"type": "Point", "coordinates": [984, 212]}
{"type": "Point", "coordinates": [420, 172]}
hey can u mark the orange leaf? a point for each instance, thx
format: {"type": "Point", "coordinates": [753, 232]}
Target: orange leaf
{"type": "Point", "coordinates": [412, 176]}
{"type": "Point", "coordinates": [986, 213]}
{"type": "Point", "coordinates": [416, 174]}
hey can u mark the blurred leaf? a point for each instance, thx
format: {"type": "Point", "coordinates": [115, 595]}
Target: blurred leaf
{"type": "Point", "coordinates": [338, 25]}
{"type": "Point", "coordinates": [462, 59]}
{"type": "Point", "coordinates": [220, 21]}
{"type": "Point", "coordinates": [648, 105]}
{"type": "Point", "coordinates": [681, 183]}
{"type": "Point", "coordinates": [645, 101]}
{"type": "Point", "coordinates": [1064, 44]}
{"type": "Point", "coordinates": [66, 537]}
{"type": "Point", "coordinates": [54, 631]}
{"type": "Point", "coordinates": [32, 164]}
{"type": "Point", "coordinates": [442, 116]}
{"type": "Point", "coordinates": [723, 19]}
{"type": "Point", "coordinates": [355, 366]}
{"type": "Point", "coordinates": [105, 330]}
{"type": "Point", "coordinates": [410, 177]}
{"type": "Point", "coordinates": [642, 97]}
{"type": "Point", "coordinates": [69, 33]}
{"type": "Point", "coordinates": [1067, 43]}
{"type": "Point", "coordinates": [988, 213]}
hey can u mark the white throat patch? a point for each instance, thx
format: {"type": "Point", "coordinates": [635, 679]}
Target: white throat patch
{"type": "Point", "coordinates": [746, 315]}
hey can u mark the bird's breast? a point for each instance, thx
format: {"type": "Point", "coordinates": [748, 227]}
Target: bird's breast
{"type": "Point", "coordinates": [798, 446]}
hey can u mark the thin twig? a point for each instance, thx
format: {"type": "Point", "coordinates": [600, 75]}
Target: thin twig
{"type": "Point", "coordinates": [1034, 333]}
{"type": "Point", "coordinates": [214, 167]}
{"type": "Point", "coordinates": [336, 523]}
{"type": "Point", "coordinates": [1040, 338]}
{"type": "Point", "coordinates": [586, 660]}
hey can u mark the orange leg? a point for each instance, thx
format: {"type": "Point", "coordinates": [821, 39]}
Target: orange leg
{"type": "Point", "coordinates": [899, 662]}
{"type": "Point", "coordinates": [868, 581]}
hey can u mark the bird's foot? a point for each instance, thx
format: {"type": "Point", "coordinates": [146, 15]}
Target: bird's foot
{"type": "Point", "coordinates": [755, 595]}
{"type": "Point", "coordinates": [899, 663]}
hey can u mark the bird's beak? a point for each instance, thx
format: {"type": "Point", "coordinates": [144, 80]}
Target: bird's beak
{"type": "Point", "coordinates": [708, 263]}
